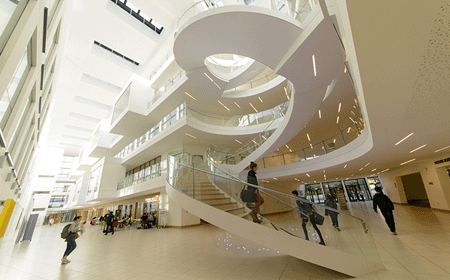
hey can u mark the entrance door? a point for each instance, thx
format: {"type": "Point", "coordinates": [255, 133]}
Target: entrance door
{"type": "Point", "coordinates": [415, 190]}
{"type": "Point", "coordinates": [352, 190]}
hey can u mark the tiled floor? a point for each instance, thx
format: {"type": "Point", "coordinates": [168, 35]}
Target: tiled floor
{"type": "Point", "coordinates": [420, 251]}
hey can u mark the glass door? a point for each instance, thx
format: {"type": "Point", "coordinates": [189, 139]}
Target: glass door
{"type": "Point", "coordinates": [352, 190]}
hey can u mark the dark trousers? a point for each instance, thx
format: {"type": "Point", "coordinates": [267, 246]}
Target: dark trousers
{"type": "Point", "coordinates": [389, 218]}
{"type": "Point", "coordinates": [109, 226]}
{"type": "Point", "coordinates": [334, 219]}
{"type": "Point", "coordinates": [305, 221]}
{"type": "Point", "coordinates": [71, 244]}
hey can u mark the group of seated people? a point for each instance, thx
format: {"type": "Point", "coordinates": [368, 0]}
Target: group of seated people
{"type": "Point", "coordinates": [147, 220]}
{"type": "Point", "coordinates": [119, 222]}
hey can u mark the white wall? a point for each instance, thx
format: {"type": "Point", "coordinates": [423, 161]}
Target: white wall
{"type": "Point", "coordinates": [435, 180]}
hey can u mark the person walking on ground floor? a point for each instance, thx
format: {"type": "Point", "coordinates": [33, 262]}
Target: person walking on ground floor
{"type": "Point", "coordinates": [70, 239]}
{"type": "Point", "coordinates": [307, 214]}
{"type": "Point", "coordinates": [109, 223]}
{"type": "Point", "coordinates": [386, 206]}
{"type": "Point", "coordinates": [333, 215]}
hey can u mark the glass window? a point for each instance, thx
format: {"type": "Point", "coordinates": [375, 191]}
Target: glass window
{"type": "Point", "coordinates": [11, 94]}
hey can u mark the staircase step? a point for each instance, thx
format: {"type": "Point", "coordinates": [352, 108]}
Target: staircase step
{"type": "Point", "coordinates": [203, 196]}
{"type": "Point", "coordinates": [215, 201]}
{"type": "Point", "coordinates": [238, 212]}
{"type": "Point", "coordinates": [201, 192]}
{"type": "Point", "coordinates": [225, 206]}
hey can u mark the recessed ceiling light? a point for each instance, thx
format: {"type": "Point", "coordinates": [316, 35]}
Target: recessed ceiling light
{"type": "Point", "coordinates": [275, 179]}
{"type": "Point", "coordinates": [442, 149]}
{"type": "Point", "coordinates": [353, 113]}
{"type": "Point", "coordinates": [296, 179]}
{"type": "Point", "coordinates": [253, 107]}
{"type": "Point", "coordinates": [190, 96]}
{"type": "Point", "coordinates": [315, 181]}
{"type": "Point", "coordinates": [339, 110]}
{"type": "Point", "coordinates": [345, 69]}
{"type": "Point", "coordinates": [346, 178]}
{"type": "Point", "coordinates": [287, 95]}
{"type": "Point", "coordinates": [190, 135]}
{"type": "Point", "coordinates": [408, 161]}
{"type": "Point", "coordinates": [311, 146]}
{"type": "Point", "coordinates": [334, 141]}
{"type": "Point", "coordinates": [387, 169]}
{"type": "Point", "coordinates": [290, 150]}
{"type": "Point", "coordinates": [237, 105]}
{"type": "Point", "coordinates": [238, 141]}
{"type": "Point", "coordinates": [345, 166]}
{"type": "Point", "coordinates": [287, 146]}
{"type": "Point", "coordinates": [223, 105]}
{"type": "Point", "coordinates": [307, 135]}
{"type": "Point", "coordinates": [348, 130]}
{"type": "Point", "coordinates": [337, 120]}
{"type": "Point", "coordinates": [255, 142]}
{"type": "Point", "coordinates": [260, 99]}
{"type": "Point", "coordinates": [211, 80]}
{"type": "Point", "coordinates": [320, 115]}
{"type": "Point", "coordinates": [307, 175]}
{"type": "Point", "coordinates": [265, 181]}
{"type": "Point", "coordinates": [366, 164]}
{"type": "Point", "coordinates": [373, 170]}
{"type": "Point", "coordinates": [323, 171]}
{"type": "Point", "coordinates": [403, 139]}
{"type": "Point", "coordinates": [352, 119]}
{"type": "Point", "coordinates": [361, 168]}
{"type": "Point", "coordinates": [264, 137]}
{"type": "Point", "coordinates": [418, 148]}
{"type": "Point", "coordinates": [314, 65]}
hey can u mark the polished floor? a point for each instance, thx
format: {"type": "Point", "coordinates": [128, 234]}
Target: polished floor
{"type": "Point", "coordinates": [421, 250]}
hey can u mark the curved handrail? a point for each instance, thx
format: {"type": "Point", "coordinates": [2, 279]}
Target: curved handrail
{"type": "Point", "coordinates": [268, 78]}
{"type": "Point", "coordinates": [282, 194]}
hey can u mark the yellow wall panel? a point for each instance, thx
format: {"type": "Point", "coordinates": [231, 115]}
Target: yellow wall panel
{"type": "Point", "coordinates": [6, 215]}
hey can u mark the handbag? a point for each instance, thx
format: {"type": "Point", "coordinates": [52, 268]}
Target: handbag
{"type": "Point", "coordinates": [318, 219]}
{"type": "Point", "coordinates": [248, 196]}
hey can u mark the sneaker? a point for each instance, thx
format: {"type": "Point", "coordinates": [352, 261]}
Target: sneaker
{"type": "Point", "coordinates": [394, 233]}
{"type": "Point", "coordinates": [338, 229]}
{"type": "Point", "coordinates": [64, 261]}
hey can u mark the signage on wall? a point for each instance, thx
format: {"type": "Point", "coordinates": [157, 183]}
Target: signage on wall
{"type": "Point", "coordinates": [442, 161]}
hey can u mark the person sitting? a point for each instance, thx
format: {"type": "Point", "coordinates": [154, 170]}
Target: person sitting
{"type": "Point", "coordinates": [144, 221]}
{"type": "Point", "coordinates": [151, 220]}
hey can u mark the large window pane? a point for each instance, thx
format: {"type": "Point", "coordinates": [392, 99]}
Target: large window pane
{"type": "Point", "coordinates": [15, 85]}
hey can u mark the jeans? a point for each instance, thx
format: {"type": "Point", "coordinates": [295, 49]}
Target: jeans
{"type": "Point", "coordinates": [334, 219]}
{"type": "Point", "coordinates": [389, 218]}
{"type": "Point", "coordinates": [109, 226]}
{"type": "Point", "coordinates": [71, 244]}
{"type": "Point", "coordinates": [305, 221]}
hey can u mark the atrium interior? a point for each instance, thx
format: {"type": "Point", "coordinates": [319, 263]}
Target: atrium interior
{"type": "Point", "coordinates": [158, 112]}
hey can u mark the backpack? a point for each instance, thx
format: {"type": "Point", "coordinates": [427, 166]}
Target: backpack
{"type": "Point", "coordinates": [65, 232]}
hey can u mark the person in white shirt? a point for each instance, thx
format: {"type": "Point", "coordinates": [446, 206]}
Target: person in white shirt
{"type": "Point", "coordinates": [51, 221]}
{"type": "Point", "coordinates": [71, 244]}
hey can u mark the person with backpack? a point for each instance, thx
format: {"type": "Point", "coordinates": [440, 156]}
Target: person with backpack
{"type": "Point", "coordinates": [333, 215]}
{"type": "Point", "coordinates": [70, 233]}
{"type": "Point", "coordinates": [307, 214]}
{"type": "Point", "coordinates": [109, 223]}
{"type": "Point", "coordinates": [251, 179]}
{"type": "Point", "coordinates": [386, 206]}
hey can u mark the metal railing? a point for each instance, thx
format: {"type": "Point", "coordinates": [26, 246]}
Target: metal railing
{"type": "Point", "coordinates": [254, 83]}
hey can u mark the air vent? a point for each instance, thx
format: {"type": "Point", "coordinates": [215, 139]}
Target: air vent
{"type": "Point", "coordinates": [442, 161]}
{"type": "Point", "coordinates": [116, 53]}
{"type": "Point", "coordinates": [137, 14]}
{"type": "Point", "coordinates": [38, 209]}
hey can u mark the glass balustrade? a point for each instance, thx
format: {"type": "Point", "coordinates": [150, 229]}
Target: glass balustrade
{"type": "Point", "coordinates": [122, 103]}
{"type": "Point", "coordinates": [167, 86]}
{"type": "Point", "coordinates": [258, 81]}
{"type": "Point", "coordinates": [207, 183]}
{"type": "Point", "coordinates": [161, 63]}
{"type": "Point", "coordinates": [298, 11]}
{"type": "Point", "coordinates": [10, 13]}
{"type": "Point", "coordinates": [226, 63]}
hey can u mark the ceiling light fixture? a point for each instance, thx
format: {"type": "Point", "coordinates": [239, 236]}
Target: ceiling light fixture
{"type": "Point", "coordinates": [345, 166]}
{"type": "Point", "coordinates": [287, 95]}
{"type": "Point", "coordinates": [223, 105]}
{"type": "Point", "coordinates": [373, 170]}
{"type": "Point", "coordinates": [290, 150]}
{"type": "Point", "coordinates": [337, 120]}
{"type": "Point", "coordinates": [265, 181]}
{"type": "Point", "coordinates": [255, 142]}
{"type": "Point", "coordinates": [418, 148]}
{"type": "Point", "coordinates": [190, 135]}
{"type": "Point", "coordinates": [287, 146]}
{"type": "Point", "coordinates": [307, 175]}
{"type": "Point", "coordinates": [311, 146]}
{"type": "Point", "coordinates": [253, 107]}
{"type": "Point", "coordinates": [348, 130]}
{"type": "Point", "coordinates": [339, 110]}
{"type": "Point", "coordinates": [211, 80]}
{"type": "Point", "coordinates": [275, 179]}
{"type": "Point", "coordinates": [320, 115]}
{"type": "Point", "coordinates": [296, 179]}
{"type": "Point", "coordinates": [387, 169]}
{"type": "Point", "coordinates": [314, 65]}
{"type": "Point", "coordinates": [307, 135]}
{"type": "Point", "coordinates": [334, 141]}
{"type": "Point", "coordinates": [238, 141]}
{"type": "Point", "coordinates": [345, 69]}
{"type": "Point", "coordinates": [361, 168]}
{"type": "Point", "coordinates": [315, 181]}
{"type": "Point", "coordinates": [264, 137]}
{"type": "Point", "coordinates": [190, 96]}
{"type": "Point", "coordinates": [352, 119]}
{"type": "Point", "coordinates": [403, 139]}
{"type": "Point", "coordinates": [442, 149]}
{"type": "Point", "coordinates": [260, 99]}
{"type": "Point", "coordinates": [353, 113]}
{"type": "Point", "coordinates": [366, 164]}
{"type": "Point", "coordinates": [237, 105]}
{"type": "Point", "coordinates": [408, 161]}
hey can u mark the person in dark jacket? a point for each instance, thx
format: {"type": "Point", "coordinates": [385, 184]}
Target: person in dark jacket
{"type": "Point", "coordinates": [109, 223]}
{"type": "Point", "coordinates": [333, 215]}
{"type": "Point", "coordinates": [251, 179]}
{"type": "Point", "coordinates": [386, 206]}
{"type": "Point", "coordinates": [307, 213]}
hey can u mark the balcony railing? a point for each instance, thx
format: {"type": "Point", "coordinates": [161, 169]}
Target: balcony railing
{"type": "Point", "coordinates": [254, 83]}
{"type": "Point", "coordinates": [167, 86]}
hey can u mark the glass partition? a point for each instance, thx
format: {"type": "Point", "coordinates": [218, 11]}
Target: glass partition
{"type": "Point", "coordinates": [122, 103]}
{"type": "Point", "coordinates": [297, 216]}
{"type": "Point", "coordinates": [10, 13]}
